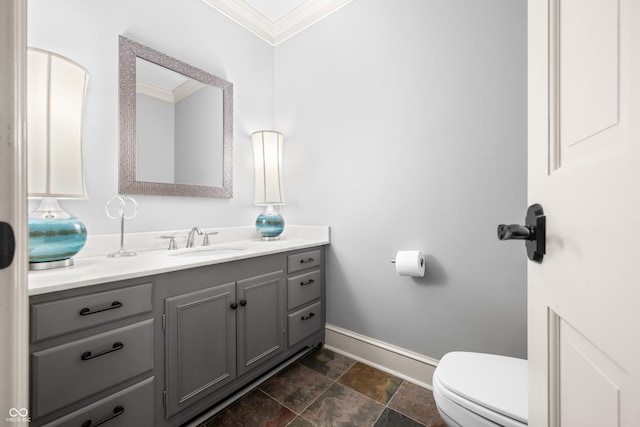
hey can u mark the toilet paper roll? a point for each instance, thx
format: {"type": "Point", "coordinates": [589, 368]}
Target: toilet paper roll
{"type": "Point", "coordinates": [410, 263]}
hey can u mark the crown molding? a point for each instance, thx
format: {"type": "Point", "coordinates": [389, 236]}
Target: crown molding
{"type": "Point", "coordinates": [154, 92]}
{"type": "Point", "coordinates": [186, 89]}
{"type": "Point", "coordinates": [304, 16]}
{"type": "Point", "coordinates": [246, 16]}
{"type": "Point", "coordinates": [275, 32]}
{"type": "Point", "coordinates": [182, 91]}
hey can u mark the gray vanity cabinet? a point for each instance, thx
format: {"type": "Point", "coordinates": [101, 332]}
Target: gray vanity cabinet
{"type": "Point", "coordinates": [216, 333]}
{"type": "Point", "coordinates": [305, 295]}
{"type": "Point", "coordinates": [160, 350]}
{"type": "Point", "coordinates": [261, 318]}
{"type": "Point", "coordinates": [200, 344]}
{"type": "Point", "coordinates": [92, 356]}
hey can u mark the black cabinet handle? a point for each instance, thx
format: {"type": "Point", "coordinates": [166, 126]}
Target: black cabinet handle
{"type": "Point", "coordinates": [243, 302]}
{"type": "Point", "coordinates": [310, 281]}
{"type": "Point", "coordinates": [309, 316]}
{"type": "Point", "coordinates": [87, 355]}
{"type": "Point", "coordinates": [233, 306]}
{"type": "Point", "coordinates": [117, 411]}
{"type": "Point", "coordinates": [87, 311]}
{"type": "Point", "coordinates": [304, 261]}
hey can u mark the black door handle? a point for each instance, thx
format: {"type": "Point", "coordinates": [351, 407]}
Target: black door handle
{"type": "Point", "coordinates": [7, 244]}
{"type": "Point", "coordinates": [533, 232]}
{"type": "Point", "coordinates": [515, 232]}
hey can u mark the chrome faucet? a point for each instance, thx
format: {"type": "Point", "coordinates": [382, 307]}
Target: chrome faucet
{"type": "Point", "coordinates": [205, 240]}
{"type": "Point", "coordinates": [172, 241]}
{"type": "Point", "coordinates": [191, 237]}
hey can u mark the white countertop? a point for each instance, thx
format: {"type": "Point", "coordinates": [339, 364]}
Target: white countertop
{"type": "Point", "coordinates": [96, 269]}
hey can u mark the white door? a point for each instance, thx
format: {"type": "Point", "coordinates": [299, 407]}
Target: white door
{"type": "Point", "coordinates": [13, 205]}
{"type": "Point", "coordinates": [584, 169]}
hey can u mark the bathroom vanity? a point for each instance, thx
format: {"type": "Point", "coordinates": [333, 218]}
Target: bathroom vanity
{"type": "Point", "coordinates": [157, 339]}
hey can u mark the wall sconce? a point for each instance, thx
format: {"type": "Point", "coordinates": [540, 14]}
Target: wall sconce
{"type": "Point", "coordinates": [267, 154]}
{"type": "Point", "coordinates": [55, 95]}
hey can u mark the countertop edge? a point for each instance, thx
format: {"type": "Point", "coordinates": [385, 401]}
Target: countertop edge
{"type": "Point", "coordinates": [97, 270]}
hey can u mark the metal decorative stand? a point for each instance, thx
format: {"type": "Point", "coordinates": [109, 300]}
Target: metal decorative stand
{"type": "Point", "coordinates": [121, 203]}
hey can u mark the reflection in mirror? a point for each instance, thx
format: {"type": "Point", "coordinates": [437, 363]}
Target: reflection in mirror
{"type": "Point", "coordinates": [175, 132]}
{"type": "Point", "coordinates": [178, 128]}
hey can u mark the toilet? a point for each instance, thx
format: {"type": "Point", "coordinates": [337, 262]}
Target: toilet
{"type": "Point", "coordinates": [478, 390]}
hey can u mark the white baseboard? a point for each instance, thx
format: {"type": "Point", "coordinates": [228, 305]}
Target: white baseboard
{"type": "Point", "coordinates": [410, 366]}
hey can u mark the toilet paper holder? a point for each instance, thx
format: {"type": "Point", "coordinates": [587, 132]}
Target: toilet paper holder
{"type": "Point", "coordinates": [393, 261]}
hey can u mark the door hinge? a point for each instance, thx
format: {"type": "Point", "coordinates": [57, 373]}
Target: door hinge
{"type": "Point", "coordinates": [164, 397]}
{"type": "Point", "coordinates": [164, 322]}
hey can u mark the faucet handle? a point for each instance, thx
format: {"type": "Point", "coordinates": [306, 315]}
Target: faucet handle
{"type": "Point", "coordinates": [205, 241]}
{"type": "Point", "coordinates": [172, 242]}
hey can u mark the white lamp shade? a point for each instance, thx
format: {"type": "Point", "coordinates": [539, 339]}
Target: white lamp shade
{"type": "Point", "coordinates": [55, 96]}
{"type": "Point", "coordinates": [267, 153]}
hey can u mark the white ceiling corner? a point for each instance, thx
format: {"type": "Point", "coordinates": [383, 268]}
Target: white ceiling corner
{"type": "Point", "coordinates": [283, 19]}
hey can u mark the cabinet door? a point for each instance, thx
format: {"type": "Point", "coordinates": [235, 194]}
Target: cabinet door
{"type": "Point", "coordinates": [261, 319]}
{"type": "Point", "coordinates": [200, 344]}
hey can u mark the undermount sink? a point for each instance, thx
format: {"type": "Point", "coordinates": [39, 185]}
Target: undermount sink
{"type": "Point", "coordinates": [205, 251]}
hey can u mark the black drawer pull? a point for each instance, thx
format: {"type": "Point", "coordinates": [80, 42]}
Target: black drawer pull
{"type": "Point", "coordinates": [117, 411]}
{"type": "Point", "coordinates": [309, 316]}
{"type": "Point", "coordinates": [88, 355]}
{"type": "Point", "coordinates": [87, 311]}
{"type": "Point", "coordinates": [308, 282]}
{"type": "Point", "coordinates": [304, 261]}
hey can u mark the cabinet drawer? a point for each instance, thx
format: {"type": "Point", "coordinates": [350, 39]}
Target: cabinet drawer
{"type": "Point", "coordinates": [303, 260]}
{"type": "Point", "coordinates": [59, 317]}
{"type": "Point", "coordinates": [68, 372]}
{"type": "Point", "coordinates": [304, 322]}
{"type": "Point", "coordinates": [132, 406]}
{"type": "Point", "coordinates": [303, 289]}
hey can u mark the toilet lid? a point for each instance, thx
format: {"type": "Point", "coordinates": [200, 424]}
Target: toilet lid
{"type": "Point", "coordinates": [498, 383]}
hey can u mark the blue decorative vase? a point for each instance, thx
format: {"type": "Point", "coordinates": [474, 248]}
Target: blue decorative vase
{"type": "Point", "coordinates": [54, 236]}
{"type": "Point", "coordinates": [270, 224]}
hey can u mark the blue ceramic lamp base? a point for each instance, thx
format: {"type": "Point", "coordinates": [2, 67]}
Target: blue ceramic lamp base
{"type": "Point", "coordinates": [54, 236]}
{"type": "Point", "coordinates": [270, 224]}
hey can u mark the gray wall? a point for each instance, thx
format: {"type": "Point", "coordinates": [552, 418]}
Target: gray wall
{"type": "Point", "coordinates": [155, 128]}
{"type": "Point", "coordinates": [405, 127]}
{"type": "Point", "coordinates": [199, 138]}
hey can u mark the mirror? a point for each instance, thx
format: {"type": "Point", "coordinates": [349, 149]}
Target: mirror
{"type": "Point", "coordinates": [176, 126]}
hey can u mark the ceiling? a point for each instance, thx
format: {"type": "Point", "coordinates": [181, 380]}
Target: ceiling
{"type": "Point", "coordinates": [276, 20]}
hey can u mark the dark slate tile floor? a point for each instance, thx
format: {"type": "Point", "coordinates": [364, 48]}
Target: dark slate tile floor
{"type": "Point", "coordinates": [326, 389]}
